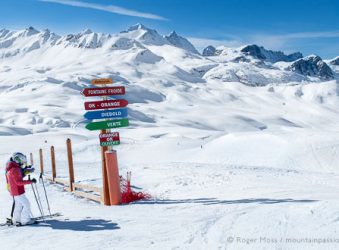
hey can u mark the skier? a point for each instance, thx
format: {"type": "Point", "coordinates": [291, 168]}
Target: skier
{"type": "Point", "coordinates": [15, 171]}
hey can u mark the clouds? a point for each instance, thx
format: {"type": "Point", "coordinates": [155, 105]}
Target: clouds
{"type": "Point", "coordinates": [107, 8]}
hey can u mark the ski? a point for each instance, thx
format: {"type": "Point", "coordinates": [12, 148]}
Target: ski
{"type": "Point", "coordinates": [47, 216]}
{"type": "Point", "coordinates": [9, 221]}
{"type": "Point", "coordinates": [10, 224]}
{"type": "Point", "coordinates": [20, 225]}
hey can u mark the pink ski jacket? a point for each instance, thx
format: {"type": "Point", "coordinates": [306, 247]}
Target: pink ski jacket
{"type": "Point", "coordinates": [15, 179]}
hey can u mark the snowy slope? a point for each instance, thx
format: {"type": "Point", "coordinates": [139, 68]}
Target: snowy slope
{"type": "Point", "coordinates": [221, 156]}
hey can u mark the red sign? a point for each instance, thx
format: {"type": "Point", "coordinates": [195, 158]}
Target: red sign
{"type": "Point", "coordinates": [109, 104]}
{"type": "Point", "coordinates": [109, 137]}
{"type": "Point", "coordinates": [103, 91]}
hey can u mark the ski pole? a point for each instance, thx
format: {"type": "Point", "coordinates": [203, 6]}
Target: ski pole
{"type": "Point", "coordinates": [43, 184]}
{"type": "Point", "coordinates": [13, 206]}
{"type": "Point", "coordinates": [12, 211]}
{"type": "Point", "coordinates": [39, 199]}
{"type": "Point", "coordinates": [36, 199]}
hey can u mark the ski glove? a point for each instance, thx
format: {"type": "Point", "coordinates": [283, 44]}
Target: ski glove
{"type": "Point", "coordinates": [33, 180]}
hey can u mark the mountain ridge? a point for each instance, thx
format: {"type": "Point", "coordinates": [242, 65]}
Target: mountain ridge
{"type": "Point", "coordinates": [249, 64]}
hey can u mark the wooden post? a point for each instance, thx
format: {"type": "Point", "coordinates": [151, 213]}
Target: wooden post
{"type": "Point", "coordinates": [31, 158]}
{"type": "Point", "coordinates": [41, 161]}
{"type": "Point", "coordinates": [53, 164]}
{"type": "Point", "coordinates": [70, 164]}
{"type": "Point", "coordinates": [105, 190]}
{"type": "Point", "coordinates": [113, 177]}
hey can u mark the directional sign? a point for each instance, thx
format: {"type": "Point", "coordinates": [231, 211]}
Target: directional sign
{"type": "Point", "coordinates": [107, 137]}
{"type": "Point", "coordinates": [103, 91]}
{"type": "Point", "coordinates": [106, 114]}
{"type": "Point", "coordinates": [109, 143]}
{"type": "Point", "coordinates": [102, 81]}
{"type": "Point", "coordinates": [107, 124]}
{"type": "Point", "coordinates": [106, 104]}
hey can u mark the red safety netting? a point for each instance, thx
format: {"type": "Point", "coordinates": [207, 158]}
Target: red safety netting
{"type": "Point", "coordinates": [127, 194]}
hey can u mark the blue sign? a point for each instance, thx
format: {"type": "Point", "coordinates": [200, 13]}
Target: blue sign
{"type": "Point", "coordinates": [106, 114]}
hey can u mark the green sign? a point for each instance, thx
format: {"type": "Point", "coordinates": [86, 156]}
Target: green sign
{"type": "Point", "coordinates": [109, 143]}
{"type": "Point", "coordinates": [107, 124]}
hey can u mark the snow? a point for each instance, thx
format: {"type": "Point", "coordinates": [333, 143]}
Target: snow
{"type": "Point", "coordinates": [220, 157]}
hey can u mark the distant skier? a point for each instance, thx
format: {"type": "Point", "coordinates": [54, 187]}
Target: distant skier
{"type": "Point", "coordinates": [16, 169]}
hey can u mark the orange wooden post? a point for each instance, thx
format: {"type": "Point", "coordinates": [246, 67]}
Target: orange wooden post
{"type": "Point", "coordinates": [105, 190]}
{"type": "Point", "coordinates": [70, 164]}
{"type": "Point", "coordinates": [53, 163]}
{"type": "Point", "coordinates": [113, 177]}
{"type": "Point", "coordinates": [31, 158]}
{"type": "Point", "coordinates": [41, 161]}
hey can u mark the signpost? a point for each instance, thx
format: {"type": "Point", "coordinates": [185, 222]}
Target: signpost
{"type": "Point", "coordinates": [114, 115]}
{"type": "Point", "coordinates": [107, 124]}
{"type": "Point", "coordinates": [106, 91]}
{"type": "Point", "coordinates": [106, 104]}
{"type": "Point", "coordinates": [109, 139]}
{"type": "Point", "coordinates": [106, 114]}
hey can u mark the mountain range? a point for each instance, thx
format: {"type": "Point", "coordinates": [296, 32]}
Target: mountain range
{"type": "Point", "coordinates": [43, 72]}
{"type": "Point", "coordinates": [249, 64]}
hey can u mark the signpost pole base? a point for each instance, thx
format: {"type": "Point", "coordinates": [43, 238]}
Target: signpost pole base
{"type": "Point", "coordinates": [113, 177]}
{"type": "Point", "coordinates": [105, 190]}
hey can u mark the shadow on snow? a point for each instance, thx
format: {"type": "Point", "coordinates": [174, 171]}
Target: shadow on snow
{"type": "Point", "coordinates": [82, 225]}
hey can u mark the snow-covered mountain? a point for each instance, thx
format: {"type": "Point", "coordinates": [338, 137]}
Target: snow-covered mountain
{"type": "Point", "coordinates": [335, 61]}
{"type": "Point", "coordinates": [312, 66]}
{"type": "Point", "coordinates": [14, 43]}
{"type": "Point", "coordinates": [209, 51]}
{"type": "Point", "coordinates": [257, 52]}
{"type": "Point", "coordinates": [155, 68]}
{"type": "Point", "coordinates": [269, 55]}
{"type": "Point", "coordinates": [85, 39]}
{"type": "Point", "coordinates": [250, 64]}
{"type": "Point", "coordinates": [181, 42]}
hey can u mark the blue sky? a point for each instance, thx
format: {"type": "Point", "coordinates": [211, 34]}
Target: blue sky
{"type": "Point", "coordinates": [309, 26]}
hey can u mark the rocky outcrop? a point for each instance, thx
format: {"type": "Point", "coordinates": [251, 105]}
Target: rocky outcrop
{"type": "Point", "coordinates": [312, 66]}
{"type": "Point", "coordinates": [268, 55]}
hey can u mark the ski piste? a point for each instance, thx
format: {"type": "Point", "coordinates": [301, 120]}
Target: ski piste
{"type": "Point", "coordinates": [38, 219]}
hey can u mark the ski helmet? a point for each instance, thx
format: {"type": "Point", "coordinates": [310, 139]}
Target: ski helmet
{"type": "Point", "coordinates": [19, 158]}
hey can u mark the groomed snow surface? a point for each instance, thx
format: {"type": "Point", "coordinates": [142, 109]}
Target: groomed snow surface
{"type": "Point", "coordinates": [229, 166]}
{"type": "Point", "coordinates": [269, 175]}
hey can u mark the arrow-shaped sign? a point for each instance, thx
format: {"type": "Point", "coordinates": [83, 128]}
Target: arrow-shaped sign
{"type": "Point", "coordinates": [107, 124]}
{"type": "Point", "coordinates": [107, 91]}
{"type": "Point", "coordinates": [106, 104]}
{"type": "Point", "coordinates": [106, 114]}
